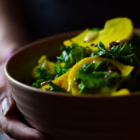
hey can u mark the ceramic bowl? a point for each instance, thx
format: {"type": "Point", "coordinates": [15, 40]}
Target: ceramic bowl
{"type": "Point", "coordinates": [67, 117]}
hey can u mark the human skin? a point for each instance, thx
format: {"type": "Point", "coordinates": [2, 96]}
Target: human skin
{"type": "Point", "coordinates": [13, 35]}
{"type": "Point", "coordinates": [10, 121]}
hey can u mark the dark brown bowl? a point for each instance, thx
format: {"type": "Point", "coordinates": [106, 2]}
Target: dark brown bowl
{"type": "Point", "coordinates": [67, 117]}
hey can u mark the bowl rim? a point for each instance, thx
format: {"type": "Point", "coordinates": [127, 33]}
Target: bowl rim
{"type": "Point", "coordinates": [54, 93]}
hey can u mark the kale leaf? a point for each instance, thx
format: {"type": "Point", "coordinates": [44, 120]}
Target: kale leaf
{"type": "Point", "coordinates": [70, 56]}
{"type": "Point", "coordinates": [123, 54]}
{"type": "Point", "coordinates": [59, 70]}
{"type": "Point", "coordinates": [41, 75]}
{"type": "Point", "coordinates": [54, 87]}
{"type": "Point", "coordinates": [91, 78]}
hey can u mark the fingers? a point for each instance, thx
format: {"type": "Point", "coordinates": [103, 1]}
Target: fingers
{"type": "Point", "coordinates": [9, 121]}
{"type": "Point", "coordinates": [7, 103]}
{"type": "Point", "coordinates": [6, 99]}
{"type": "Point", "coordinates": [7, 137]}
{"type": "Point", "coordinates": [17, 130]}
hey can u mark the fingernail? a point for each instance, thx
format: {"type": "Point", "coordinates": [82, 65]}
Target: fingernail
{"type": "Point", "coordinates": [5, 106]}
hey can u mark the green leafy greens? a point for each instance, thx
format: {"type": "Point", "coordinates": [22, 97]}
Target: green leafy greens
{"type": "Point", "coordinates": [54, 87]}
{"type": "Point", "coordinates": [41, 75]}
{"type": "Point", "coordinates": [59, 70]}
{"type": "Point", "coordinates": [123, 54]}
{"type": "Point", "coordinates": [70, 56]}
{"type": "Point", "coordinates": [92, 77]}
{"type": "Point", "coordinates": [44, 75]}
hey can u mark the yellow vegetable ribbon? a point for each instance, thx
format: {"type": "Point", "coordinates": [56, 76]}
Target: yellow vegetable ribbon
{"type": "Point", "coordinates": [118, 29]}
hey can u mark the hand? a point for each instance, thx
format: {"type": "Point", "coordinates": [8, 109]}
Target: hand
{"type": "Point", "coordinates": [9, 119]}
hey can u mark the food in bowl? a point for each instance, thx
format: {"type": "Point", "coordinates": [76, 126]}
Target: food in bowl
{"type": "Point", "coordinates": [97, 61]}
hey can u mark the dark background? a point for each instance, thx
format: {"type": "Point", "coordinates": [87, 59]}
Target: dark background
{"type": "Point", "coordinates": [49, 17]}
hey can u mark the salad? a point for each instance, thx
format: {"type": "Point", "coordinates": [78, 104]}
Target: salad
{"type": "Point", "coordinates": [97, 61]}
